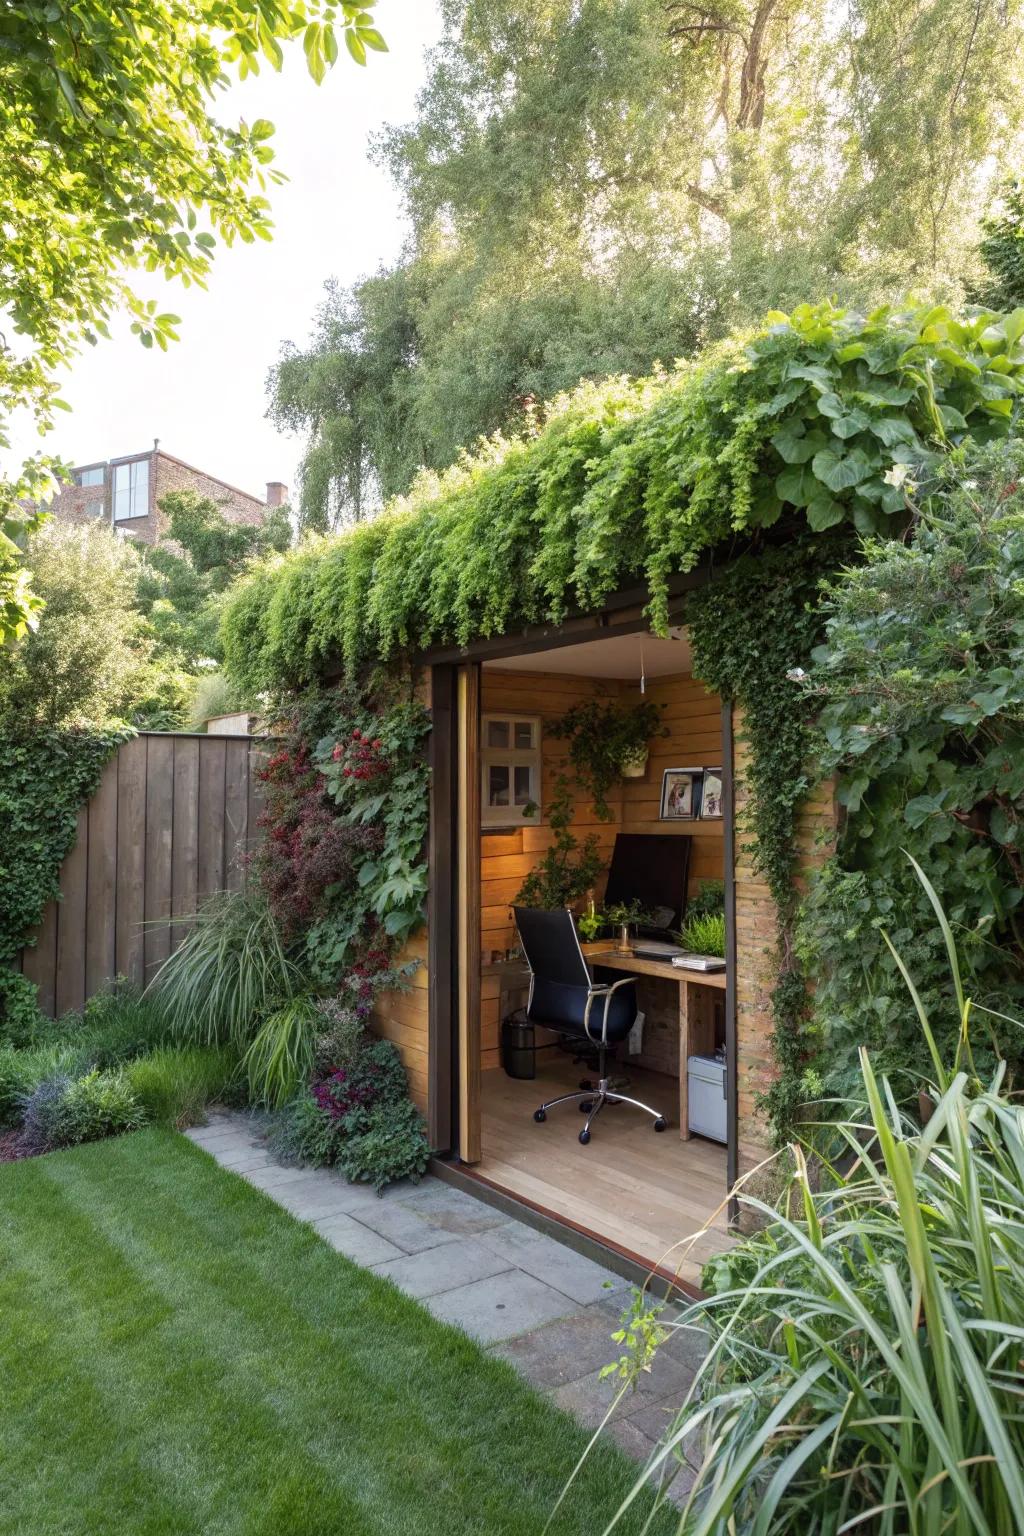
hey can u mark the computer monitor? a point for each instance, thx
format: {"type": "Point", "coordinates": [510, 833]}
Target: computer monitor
{"type": "Point", "coordinates": [653, 869]}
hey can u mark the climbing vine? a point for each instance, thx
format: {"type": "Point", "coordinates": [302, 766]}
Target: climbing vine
{"type": "Point", "coordinates": [46, 776]}
{"type": "Point", "coordinates": [757, 666]}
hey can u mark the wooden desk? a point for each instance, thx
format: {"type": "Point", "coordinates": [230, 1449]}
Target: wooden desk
{"type": "Point", "coordinates": [696, 1018]}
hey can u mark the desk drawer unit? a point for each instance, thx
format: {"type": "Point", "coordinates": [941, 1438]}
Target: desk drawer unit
{"type": "Point", "coordinates": [707, 1097]}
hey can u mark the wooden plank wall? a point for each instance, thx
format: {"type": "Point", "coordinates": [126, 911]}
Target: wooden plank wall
{"type": "Point", "coordinates": [694, 720]}
{"type": "Point", "coordinates": [166, 828]}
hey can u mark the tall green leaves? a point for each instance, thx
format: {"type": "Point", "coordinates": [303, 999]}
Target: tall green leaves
{"type": "Point", "coordinates": [228, 975]}
{"type": "Point", "coordinates": [863, 1362]}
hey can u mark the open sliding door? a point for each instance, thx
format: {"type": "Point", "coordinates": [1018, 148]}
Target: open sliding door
{"type": "Point", "coordinates": [467, 908]}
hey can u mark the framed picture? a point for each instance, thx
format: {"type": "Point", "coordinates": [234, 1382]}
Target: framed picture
{"type": "Point", "coordinates": [680, 793]}
{"type": "Point", "coordinates": [711, 796]}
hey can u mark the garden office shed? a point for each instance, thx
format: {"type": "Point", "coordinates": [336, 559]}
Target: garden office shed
{"type": "Point", "coordinates": [638, 1191]}
{"type": "Point", "coordinates": [658, 540]}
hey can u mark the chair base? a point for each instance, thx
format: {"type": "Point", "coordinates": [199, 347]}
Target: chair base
{"type": "Point", "coordinates": [593, 1101]}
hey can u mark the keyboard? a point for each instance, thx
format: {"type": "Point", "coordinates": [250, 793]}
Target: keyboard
{"type": "Point", "coordinates": [654, 949]}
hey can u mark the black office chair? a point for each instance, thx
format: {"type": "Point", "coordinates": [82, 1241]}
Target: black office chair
{"type": "Point", "coordinates": [565, 998]}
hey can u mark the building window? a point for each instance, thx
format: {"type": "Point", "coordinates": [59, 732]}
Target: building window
{"type": "Point", "coordinates": [95, 508]}
{"type": "Point", "coordinates": [510, 770]}
{"type": "Point", "coordinates": [94, 476]}
{"type": "Point", "coordinates": [131, 489]}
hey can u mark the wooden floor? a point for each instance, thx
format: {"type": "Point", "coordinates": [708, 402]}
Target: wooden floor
{"type": "Point", "coordinates": [651, 1195]}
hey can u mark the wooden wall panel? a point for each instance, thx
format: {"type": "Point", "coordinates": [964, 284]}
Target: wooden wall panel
{"type": "Point", "coordinates": [210, 818]}
{"type": "Point", "coordinates": [155, 834]}
{"type": "Point", "coordinates": [69, 986]}
{"type": "Point", "coordinates": [101, 882]}
{"type": "Point", "coordinates": [693, 717]}
{"type": "Point", "coordinates": [185, 836]}
{"type": "Point", "coordinates": [159, 845]}
{"type": "Point", "coordinates": [130, 861]}
{"type": "Point", "coordinates": [236, 812]}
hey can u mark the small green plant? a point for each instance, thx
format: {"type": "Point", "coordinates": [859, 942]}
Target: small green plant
{"type": "Point", "coordinates": [568, 868]}
{"type": "Point", "coordinates": [591, 925]}
{"type": "Point", "coordinates": [605, 739]}
{"type": "Point", "coordinates": [710, 898]}
{"type": "Point", "coordinates": [116, 1025]}
{"type": "Point", "coordinates": [303, 1132]}
{"type": "Point", "coordinates": [281, 1052]}
{"type": "Point", "coordinates": [340, 1034]}
{"type": "Point", "coordinates": [175, 1084]}
{"type": "Point", "coordinates": [392, 1146]}
{"type": "Point", "coordinates": [21, 1072]}
{"type": "Point", "coordinates": [64, 1111]}
{"type": "Point", "coordinates": [625, 913]}
{"type": "Point", "coordinates": [704, 934]}
{"type": "Point", "coordinates": [97, 1105]}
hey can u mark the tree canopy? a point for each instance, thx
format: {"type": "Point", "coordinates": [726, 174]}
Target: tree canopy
{"type": "Point", "coordinates": [182, 581]}
{"type": "Point", "coordinates": [89, 661]}
{"type": "Point", "coordinates": [111, 161]}
{"type": "Point", "coordinates": [595, 185]}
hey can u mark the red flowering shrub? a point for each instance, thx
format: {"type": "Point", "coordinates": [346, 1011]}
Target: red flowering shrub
{"type": "Point", "coordinates": [362, 758]}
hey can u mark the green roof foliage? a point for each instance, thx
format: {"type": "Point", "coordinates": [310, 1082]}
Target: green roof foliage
{"type": "Point", "coordinates": [801, 426]}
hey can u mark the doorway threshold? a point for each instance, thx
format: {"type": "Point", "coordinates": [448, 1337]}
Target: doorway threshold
{"type": "Point", "coordinates": [654, 1278]}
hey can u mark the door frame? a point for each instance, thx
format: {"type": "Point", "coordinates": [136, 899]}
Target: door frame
{"type": "Point", "coordinates": [454, 872]}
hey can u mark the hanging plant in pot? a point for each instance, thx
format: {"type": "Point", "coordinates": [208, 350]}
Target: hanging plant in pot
{"type": "Point", "coordinates": [608, 743]}
{"type": "Point", "coordinates": [633, 764]}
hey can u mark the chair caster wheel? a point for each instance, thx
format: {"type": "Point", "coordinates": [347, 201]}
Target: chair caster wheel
{"type": "Point", "coordinates": [586, 1107]}
{"type": "Point", "coordinates": [540, 1115]}
{"type": "Point", "coordinates": [661, 1124]}
{"type": "Point", "coordinates": [584, 1138]}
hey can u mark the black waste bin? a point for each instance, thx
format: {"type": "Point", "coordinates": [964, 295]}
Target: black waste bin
{"type": "Point", "coordinates": [518, 1046]}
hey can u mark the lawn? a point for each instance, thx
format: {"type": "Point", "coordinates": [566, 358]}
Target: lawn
{"type": "Point", "coordinates": [178, 1355]}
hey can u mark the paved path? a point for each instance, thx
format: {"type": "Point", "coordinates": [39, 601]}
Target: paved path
{"type": "Point", "coordinates": [522, 1294]}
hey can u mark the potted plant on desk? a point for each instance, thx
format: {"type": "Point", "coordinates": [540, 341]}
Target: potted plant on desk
{"type": "Point", "coordinates": [624, 916]}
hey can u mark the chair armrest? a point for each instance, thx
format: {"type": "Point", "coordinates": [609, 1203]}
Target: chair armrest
{"type": "Point", "coordinates": [603, 990]}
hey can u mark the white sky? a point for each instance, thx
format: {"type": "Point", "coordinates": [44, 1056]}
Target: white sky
{"type": "Point", "coordinates": [336, 216]}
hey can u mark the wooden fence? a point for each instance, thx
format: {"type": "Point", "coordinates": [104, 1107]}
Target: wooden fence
{"type": "Point", "coordinates": [167, 827]}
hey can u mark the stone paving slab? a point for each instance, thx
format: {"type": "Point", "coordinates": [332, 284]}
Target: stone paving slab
{"type": "Point", "coordinates": [553, 1262]}
{"type": "Point", "coordinates": [403, 1223]}
{"type": "Point", "coordinates": [428, 1273]}
{"type": "Point", "coordinates": [355, 1241]}
{"type": "Point", "coordinates": [566, 1349]}
{"type": "Point", "coordinates": [509, 1303]}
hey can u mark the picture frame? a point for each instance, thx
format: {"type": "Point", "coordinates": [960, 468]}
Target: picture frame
{"type": "Point", "coordinates": [711, 795]}
{"type": "Point", "coordinates": [681, 794]}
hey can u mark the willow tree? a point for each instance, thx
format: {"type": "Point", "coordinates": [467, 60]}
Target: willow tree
{"type": "Point", "coordinates": [597, 184]}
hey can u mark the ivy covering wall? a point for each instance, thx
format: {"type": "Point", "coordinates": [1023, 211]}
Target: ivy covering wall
{"type": "Point", "coordinates": [46, 776]}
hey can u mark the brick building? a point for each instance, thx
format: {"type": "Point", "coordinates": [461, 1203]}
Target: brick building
{"type": "Point", "coordinates": [125, 493]}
